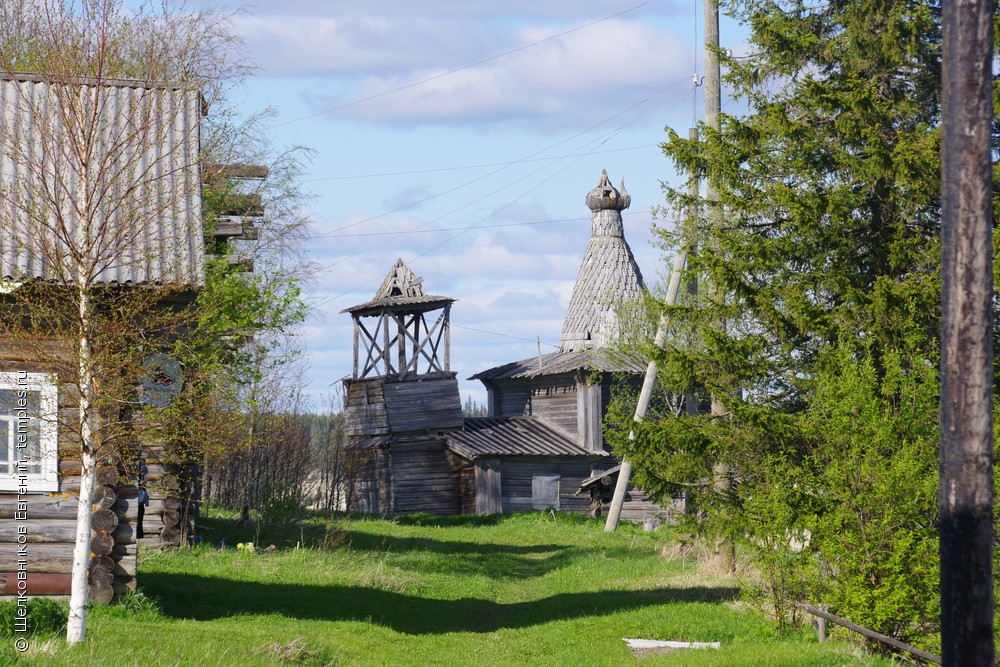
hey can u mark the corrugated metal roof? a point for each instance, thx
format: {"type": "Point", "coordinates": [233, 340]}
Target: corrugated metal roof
{"type": "Point", "coordinates": [140, 185]}
{"type": "Point", "coordinates": [513, 436]}
{"type": "Point", "coordinates": [601, 359]}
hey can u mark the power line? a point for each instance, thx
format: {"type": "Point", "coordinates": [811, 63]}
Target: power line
{"type": "Point", "coordinates": [525, 159]}
{"type": "Point", "coordinates": [470, 166]}
{"type": "Point", "coordinates": [453, 229]}
{"type": "Point", "coordinates": [460, 69]}
{"type": "Point", "coordinates": [497, 333]}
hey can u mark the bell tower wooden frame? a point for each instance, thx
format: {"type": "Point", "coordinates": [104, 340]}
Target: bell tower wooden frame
{"type": "Point", "coordinates": [402, 337]}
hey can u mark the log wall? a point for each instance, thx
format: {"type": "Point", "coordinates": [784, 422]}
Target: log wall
{"type": "Point", "coordinates": [168, 520]}
{"type": "Point", "coordinates": [49, 529]}
{"type": "Point", "coordinates": [49, 519]}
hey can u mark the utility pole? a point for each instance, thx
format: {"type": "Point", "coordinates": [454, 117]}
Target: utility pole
{"type": "Point", "coordinates": [965, 491]}
{"type": "Point", "coordinates": [713, 109]}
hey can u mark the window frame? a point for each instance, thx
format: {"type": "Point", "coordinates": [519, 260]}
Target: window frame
{"type": "Point", "coordinates": [48, 433]}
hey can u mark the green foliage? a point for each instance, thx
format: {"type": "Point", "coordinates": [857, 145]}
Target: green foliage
{"type": "Point", "coordinates": [473, 409]}
{"type": "Point", "coordinates": [45, 617]}
{"type": "Point", "coordinates": [818, 334]}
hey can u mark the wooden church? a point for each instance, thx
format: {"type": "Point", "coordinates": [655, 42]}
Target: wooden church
{"type": "Point", "coordinates": [411, 449]}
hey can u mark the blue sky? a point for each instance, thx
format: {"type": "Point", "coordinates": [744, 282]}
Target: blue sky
{"type": "Point", "coordinates": [463, 136]}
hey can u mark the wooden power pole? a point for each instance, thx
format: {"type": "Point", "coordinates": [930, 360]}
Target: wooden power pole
{"type": "Point", "coordinates": [965, 491]}
{"type": "Point", "coordinates": [713, 109]}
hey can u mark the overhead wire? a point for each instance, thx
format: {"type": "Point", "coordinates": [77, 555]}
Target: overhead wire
{"type": "Point", "coordinates": [497, 333]}
{"type": "Point", "coordinates": [502, 167]}
{"type": "Point", "coordinates": [464, 167]}
{"type": "Point", "coordinates": [599, 141]}
{"type": "Point", "coordinates": [463, 68]}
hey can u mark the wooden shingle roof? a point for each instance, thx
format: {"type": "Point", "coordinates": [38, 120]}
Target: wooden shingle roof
{"type": "Point", "coordinates": [604, 360]}
{"type": "Point", "coordinates": [608, 274]}
{"type": "Point", "coordinates": [400, 289]}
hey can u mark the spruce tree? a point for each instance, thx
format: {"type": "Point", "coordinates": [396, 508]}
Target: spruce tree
{"type": "Point", "coordinates": [819, 331]}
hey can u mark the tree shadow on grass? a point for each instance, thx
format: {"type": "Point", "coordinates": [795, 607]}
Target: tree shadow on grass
{"type": "Point", "coordinates": [502, 562]}
{"type": "Point", "coordinates": [209, 598]}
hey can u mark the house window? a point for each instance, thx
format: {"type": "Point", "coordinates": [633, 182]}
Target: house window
{"type": "Point", "coordinates": [545, 492]}
{"type": "Point", "coordinates": [29, 458]}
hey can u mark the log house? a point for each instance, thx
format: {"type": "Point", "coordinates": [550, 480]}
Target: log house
{"type": "Point", "coordinates": [37, 523]}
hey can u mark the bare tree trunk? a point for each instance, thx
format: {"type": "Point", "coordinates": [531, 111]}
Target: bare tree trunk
{"type": "Point", "coordinates": [965, 492]}
{"type": "Point", "coordinates": [76, 625]}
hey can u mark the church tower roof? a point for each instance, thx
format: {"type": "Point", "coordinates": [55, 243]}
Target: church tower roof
{"type": "Point", "coordinates": [401, 289]}
{"type": "Point", "coordinates": [608, 275]}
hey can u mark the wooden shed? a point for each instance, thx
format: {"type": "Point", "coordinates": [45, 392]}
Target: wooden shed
{"type": "Point", "coordinates": [520, 464]}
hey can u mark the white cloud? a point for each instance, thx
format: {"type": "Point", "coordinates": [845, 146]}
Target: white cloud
{"type": "Point", "coordinates": [578, 76]}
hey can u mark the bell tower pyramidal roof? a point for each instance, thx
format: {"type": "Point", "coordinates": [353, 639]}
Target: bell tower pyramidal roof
{"type": "Point", "coordinates": [608, 275]}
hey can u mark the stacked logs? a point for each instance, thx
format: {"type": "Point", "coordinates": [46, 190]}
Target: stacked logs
{"type": "Point", "coordinates": [50, 530]}
{"type": "Point", "coordinates": [168, 520]}
{"type": "Point", "coordinates": [101, 573]}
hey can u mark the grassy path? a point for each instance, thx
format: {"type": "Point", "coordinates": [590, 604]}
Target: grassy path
{"type": "Point", "coordinates": [527, 589]}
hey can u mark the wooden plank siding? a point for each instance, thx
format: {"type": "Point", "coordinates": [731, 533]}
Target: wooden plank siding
{"type": "Point", "coordinates": [549, 398]}
{"type": "Point", "coordinates": [364, 407]}
{"type": "Point", "coordinates": [423, 478]}
{"type": "Point", "coordinates": [516, 475]}
{"type": "Point", "coordinates": [423, 405]}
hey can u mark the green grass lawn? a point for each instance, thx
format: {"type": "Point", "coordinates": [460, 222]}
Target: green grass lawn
{"type": "Point", "coordinates": [530, 589]}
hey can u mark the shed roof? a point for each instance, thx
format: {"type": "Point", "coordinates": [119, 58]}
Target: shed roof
{"type": "Point", "coordinates": [143, 181]}
{"type": "Point", "coordinates": [513, 436]}
{"type": "Point", "coordinates": [400, 289]}
{"type": "Point", "coordinates": [599, 359]}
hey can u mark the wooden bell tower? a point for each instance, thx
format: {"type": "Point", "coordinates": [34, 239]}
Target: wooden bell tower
{"type": "Point", "coordinates": [403, 337]}
{"type": "Point", "coordinates": [402, 400]}
{"type": "Point", "coordinates": [402, 382]}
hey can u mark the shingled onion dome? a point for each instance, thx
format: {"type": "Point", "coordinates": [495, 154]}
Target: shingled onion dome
{"type": "Point", "coordinates": [608, 275]}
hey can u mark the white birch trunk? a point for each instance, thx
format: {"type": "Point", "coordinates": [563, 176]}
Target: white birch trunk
{"type": "Point", "coordinates": [88, 477]}
{"type": "Point", "coordinates": [77, 622]}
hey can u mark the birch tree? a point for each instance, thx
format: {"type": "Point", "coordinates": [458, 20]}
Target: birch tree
{"type": "Point", "coordinates": [100, 203]}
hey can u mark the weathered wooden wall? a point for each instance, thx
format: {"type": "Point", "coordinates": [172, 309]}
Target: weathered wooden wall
{"type": "Point", "coordinates": [50, 518]}
{"type": "Point", "coordinates": [50, 529]}
{"type": "Point", "coordinates": [168, 520]}
{"type": "Point", "coordinates": [516, 475]}
{"type": "Point", "coordinates": [552, 398]}
{"type": "Point", "coordinates": [364, 407]}
{"type": "Point", "coordinates": [366, 487]}
{"type": "Point", "coordinates": [423, 404]}
{"type": "Point", "coordinates": [424, 478]}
